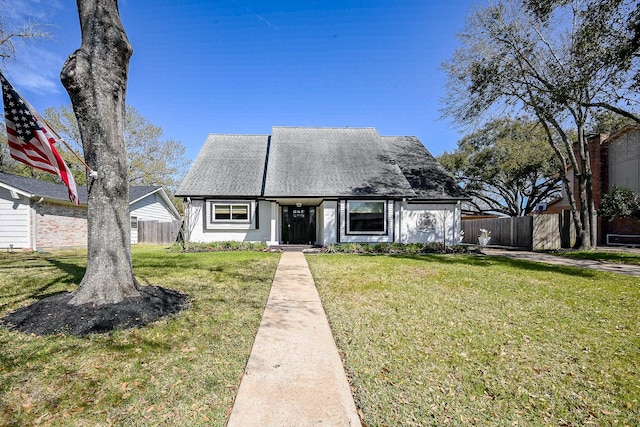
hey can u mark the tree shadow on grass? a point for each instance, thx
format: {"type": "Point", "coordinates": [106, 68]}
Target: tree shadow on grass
{"type": "Point", "coordinates": [51, 313]}
{"type": "Point", "coordinates": [488, 261]}
{"type": "Point", "coordinates": [72, 275]}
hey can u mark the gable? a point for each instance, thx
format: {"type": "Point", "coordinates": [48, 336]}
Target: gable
{"type": "Point", "coordinates": [331, 162]}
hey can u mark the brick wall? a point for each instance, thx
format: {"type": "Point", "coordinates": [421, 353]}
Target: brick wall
{"type": "Point", "coordinates": [60, 226]}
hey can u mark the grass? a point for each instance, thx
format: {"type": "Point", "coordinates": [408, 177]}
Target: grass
{"type": "Point", "coordinates": [467, 340]}
{"type": "Point", "coordinates": [179, 371]}
{"type": "Point", "coordinates": [606, 256]}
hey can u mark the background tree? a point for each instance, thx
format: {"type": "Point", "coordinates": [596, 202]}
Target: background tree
{"type": "Point", "coordinates": [608, 122]}
{"type": "Point", "coordinates": [507, 166]}
{"type": "Point", "coordinates": [515, 59]}
{"type": "Point", "coordinates": [608, 37]}
{"type": "Point", "coordinates": [95, 76]}
{"type": "Point", "coordinates": [15, 30]}
{"type": "Point", "coordinates": [151, 159]}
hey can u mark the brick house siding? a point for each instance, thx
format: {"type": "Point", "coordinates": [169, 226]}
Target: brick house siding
{"type": "Point", "coordinates": [603, 170]}
{"type": "Point", "coordinates": [60, 226]}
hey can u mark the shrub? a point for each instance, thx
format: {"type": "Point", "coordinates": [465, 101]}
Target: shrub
{"type": "Point", "coordinates": [221, 247]}
{"type": "Point", "coordinates": [393, 248]}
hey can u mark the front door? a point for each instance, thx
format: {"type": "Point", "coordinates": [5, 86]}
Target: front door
{"type": "Point", "coordinates": [298, 224]}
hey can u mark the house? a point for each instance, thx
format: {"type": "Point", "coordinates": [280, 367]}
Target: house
{"type": "Point", "coordinates": [308, 185]}
{"type": "Point", "coordinates": [36, 215]}
{"type": "Point", "coordinates": [615, 162]}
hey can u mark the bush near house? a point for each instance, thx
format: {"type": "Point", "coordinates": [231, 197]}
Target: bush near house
{"type": "Point", "coordinates": [394, 248]}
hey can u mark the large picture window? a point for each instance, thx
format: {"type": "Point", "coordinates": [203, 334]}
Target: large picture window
{"type": "Point", "coordinates": [230, 212]}
{"type": "Point", "coordinates": [366, 217]}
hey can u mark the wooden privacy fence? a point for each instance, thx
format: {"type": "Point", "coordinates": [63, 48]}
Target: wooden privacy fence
{"type": "Point", "coordinates": [159, 233]}
{"type": "Point", "coordinates": [513, 232]}
{"type": "Point", "coordinates": [538, 232]}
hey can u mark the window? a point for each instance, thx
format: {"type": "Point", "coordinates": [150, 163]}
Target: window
{"type": "Point", "coordinates": [134, 222]}
{"type": "Point", "coordinates": [366, 217]}
{"type": "Point", "coordinates": [230, 212]}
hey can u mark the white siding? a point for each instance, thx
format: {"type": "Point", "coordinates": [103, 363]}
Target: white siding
{"type": "Point", "coordinates": [328, 222]}
{"type": "Point", "coordinates": [151, 208]}
{"type": "Point", "coordinates": [200, 233]}
{"type": "Point", "coordinates": [14, 221]}
{"type": "Point", "coordinates": [415, 218]}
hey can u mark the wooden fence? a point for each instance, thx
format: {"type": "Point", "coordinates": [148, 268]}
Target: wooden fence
{"type": "Point", "coordinates": [538, 232]}
{"type": "Point", "coordinates": [159, 233]}
{"type": "Point", "coordinates": [514, 232]}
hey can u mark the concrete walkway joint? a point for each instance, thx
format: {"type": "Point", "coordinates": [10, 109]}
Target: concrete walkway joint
{"type": "Point", "coordinates": [294, 376]}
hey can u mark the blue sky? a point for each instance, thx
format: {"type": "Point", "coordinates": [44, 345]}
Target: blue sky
{"type": "Point", "coordinates": [243, 66]}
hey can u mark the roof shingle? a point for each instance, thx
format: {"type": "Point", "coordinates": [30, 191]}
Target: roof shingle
{"type": "Point", "coordinates": [317, 162]}
{"type": "Point", "coordinates": [227, 165]}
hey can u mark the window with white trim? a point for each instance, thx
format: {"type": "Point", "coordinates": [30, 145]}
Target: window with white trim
{"type": "Point", "coordinates": [134, 222]}
{"type": "Point", "coordinates": [230, 212]}
{"type": "Point", "coordinates": [366, 217]}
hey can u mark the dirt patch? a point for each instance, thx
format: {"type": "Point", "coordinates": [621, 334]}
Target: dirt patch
{"type": "Point", "coordinates": [52, 315]}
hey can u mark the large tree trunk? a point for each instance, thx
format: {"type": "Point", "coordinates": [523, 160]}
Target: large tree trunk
{"type": "Point", "coordinates": [95, 77]}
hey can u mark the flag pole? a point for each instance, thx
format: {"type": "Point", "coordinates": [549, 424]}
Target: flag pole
{"type": "Point", "coordinates": [33, 110]}
{"type": "Point", "coordinates": [91, 171]}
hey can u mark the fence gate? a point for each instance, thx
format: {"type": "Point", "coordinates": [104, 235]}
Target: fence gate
{"type": "Point", "coordinates": [158, 233]}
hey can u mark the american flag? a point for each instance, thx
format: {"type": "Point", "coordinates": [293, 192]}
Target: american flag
{"type": "Point", "coordinates": [30, 141]}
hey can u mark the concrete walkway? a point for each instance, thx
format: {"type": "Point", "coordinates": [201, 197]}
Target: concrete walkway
{"type": "Point", "coordinates": [294, 376]}
{"type": "Point", "coordinates": [629, 270]}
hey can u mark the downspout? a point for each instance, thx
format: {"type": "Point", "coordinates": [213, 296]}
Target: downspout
{"type": "Point", "coordinates": [35, 224]}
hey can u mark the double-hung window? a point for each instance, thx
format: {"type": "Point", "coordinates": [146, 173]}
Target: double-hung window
{"type": "Point", "coordinates": [226, 212]}
{"type": "Point", "coordinates": [366, 217]}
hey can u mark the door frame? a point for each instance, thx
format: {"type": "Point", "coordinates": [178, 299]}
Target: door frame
{"type": "Point", "coordinates": [309, 226]}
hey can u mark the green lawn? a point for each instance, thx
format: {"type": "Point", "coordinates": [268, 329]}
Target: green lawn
{"type": "Point", "coordinates": [467, 340]}
{"type": "Point", "coordinates": [607, 256]}
{"type": "Point", "coordinates": [179, 371]}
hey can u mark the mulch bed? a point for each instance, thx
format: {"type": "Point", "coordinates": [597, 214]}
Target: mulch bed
{"type": "Point", "coordinates": [52, 315]}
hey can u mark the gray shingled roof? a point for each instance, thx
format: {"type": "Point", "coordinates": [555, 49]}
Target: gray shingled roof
{"type": "Point", "coordinates": [425, 174]}
{"type": "Point", "coordinates": [50, 190]}
{"type": "Point", "coordinates": [227, 165]}
{"type": "Point", "coordinates": [330, 162]}
{"type": "Point", "coordinates": [36, 187]}
{"type": "Point", "coordinates": [317, 162]}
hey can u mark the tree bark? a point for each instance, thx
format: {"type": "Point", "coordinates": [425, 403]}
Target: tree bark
{"type": "Point", "coordinates": [95, 76]}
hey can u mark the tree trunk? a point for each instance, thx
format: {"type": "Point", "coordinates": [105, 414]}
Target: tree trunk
{"type": "Point", "coordinates": [95, 77]}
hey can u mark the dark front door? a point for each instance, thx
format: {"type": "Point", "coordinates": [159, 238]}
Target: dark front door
{"type": "Point", "coordinates": [297, 224]}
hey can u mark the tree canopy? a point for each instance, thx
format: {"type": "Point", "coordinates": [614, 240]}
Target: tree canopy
{"type": "Point", "coordinates": [507, 166]}
{"type": "Point", "coordinates": [14, 30]}
{"type": "Point", "coordinates": [151, 159]}
{"type": "Point", "coordinates": [548, 60]}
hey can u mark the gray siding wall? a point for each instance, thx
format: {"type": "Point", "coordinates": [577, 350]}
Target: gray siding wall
{"type": "Point", "coordinates": [624, 162]}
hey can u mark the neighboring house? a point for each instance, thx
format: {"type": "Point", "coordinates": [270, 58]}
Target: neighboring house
{"type": "Point", "coordinates": [615, 162]}
{"type": "Point", "coordinates": [303, 185]}
{"type": "Point", "coordinates": [36, 215]}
